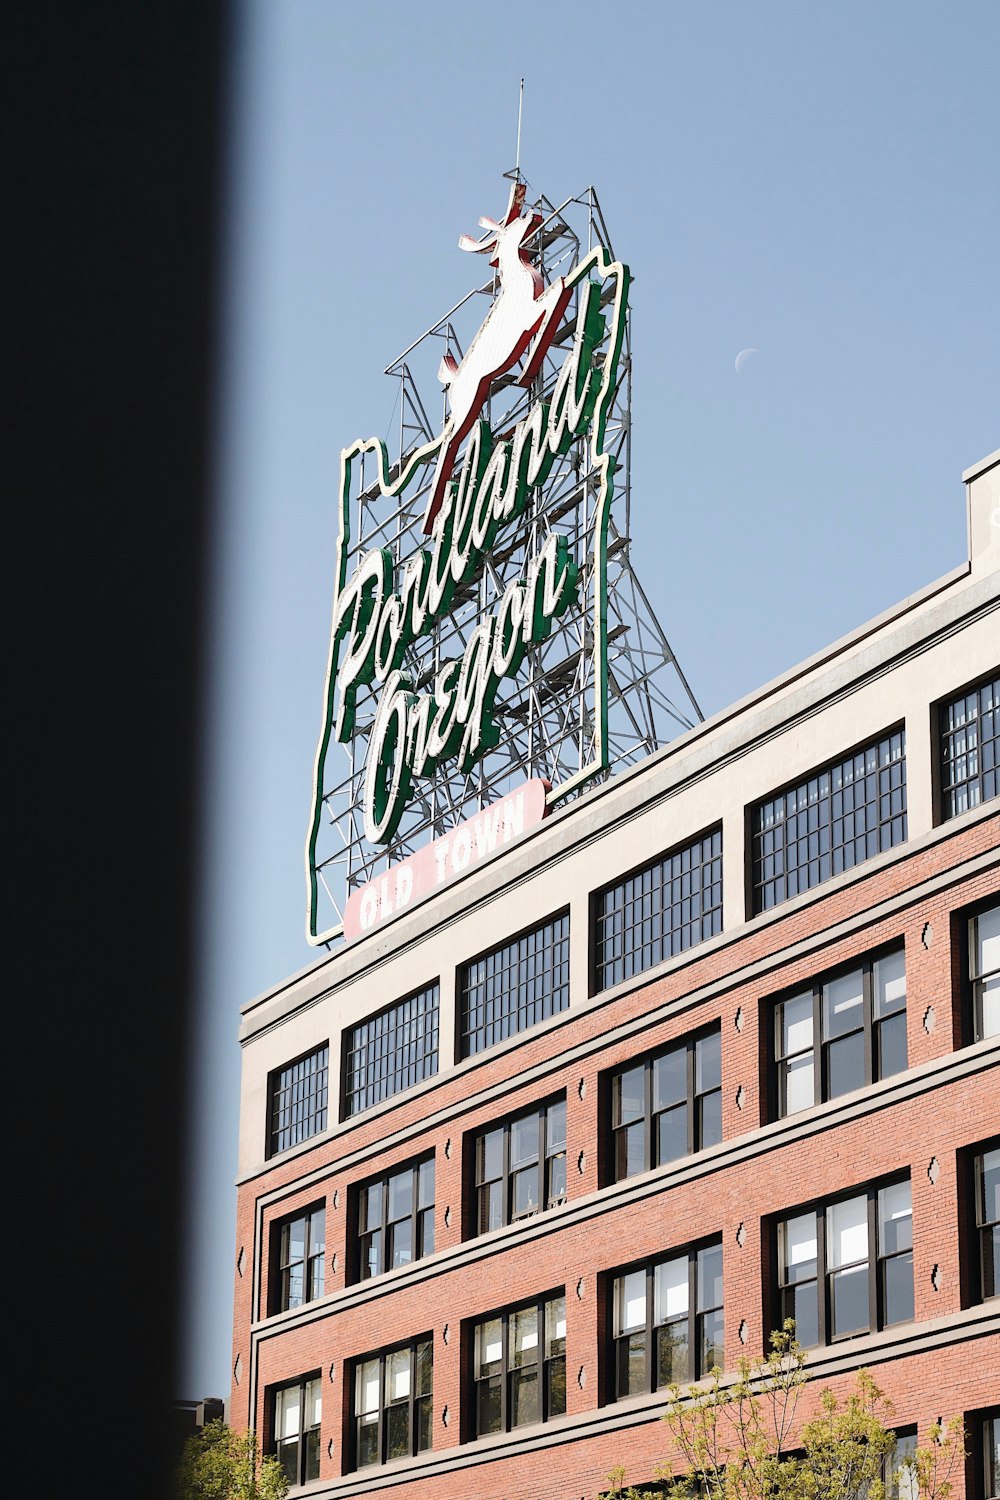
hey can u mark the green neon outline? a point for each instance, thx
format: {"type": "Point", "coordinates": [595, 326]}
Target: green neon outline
{"type": "Point", "coordinates": [596, 260]}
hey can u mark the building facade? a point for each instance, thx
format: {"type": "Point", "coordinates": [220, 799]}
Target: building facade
{"type": "Point", "coordinates": [714, 1045]}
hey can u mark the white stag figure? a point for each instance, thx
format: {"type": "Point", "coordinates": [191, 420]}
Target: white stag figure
{"type": "Point", "coordinates": [524, 310]}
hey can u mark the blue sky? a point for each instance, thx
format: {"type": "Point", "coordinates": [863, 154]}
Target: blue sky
{"type": "Point", "coordinates": [817, 182]}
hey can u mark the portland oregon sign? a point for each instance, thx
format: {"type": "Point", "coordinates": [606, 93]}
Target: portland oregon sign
{"type": "Point", "coordinates": [491, 648]}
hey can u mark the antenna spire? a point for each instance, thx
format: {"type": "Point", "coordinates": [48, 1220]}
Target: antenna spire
{"type": "Point", "coordinates": [520, 106]}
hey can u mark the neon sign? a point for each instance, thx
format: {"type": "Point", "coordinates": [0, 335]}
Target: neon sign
{"type": "Point", "coordinates": [475, 504]}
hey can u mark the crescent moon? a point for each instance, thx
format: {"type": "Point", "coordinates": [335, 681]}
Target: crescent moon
{"type": "Point", "coordinates": [742, 358]}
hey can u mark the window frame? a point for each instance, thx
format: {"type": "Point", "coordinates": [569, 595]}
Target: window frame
{"type": "Point", "coordinates": [281, 1227]}
{"type": "Point", "coordinates": [708, 862]}
{"type": "Point", "coordinates": [696, 1314]}
{"type": "Point", "coordinates": [318, 1112]}
{"type": "Point", "coordinates": [693, 1103]}
{"type": "Point", "coordinates": [946, 789]}
{"type": "Point", "coordinates": [416, 1217]}
{"type": "Point", "coordinates": [465, 1032]}
{"type": "Point", "coordinates": [973, 981]}
{"type": "Point", "coordinates": [357, 1097]}
{"type": "Point", "coordinates": [983, 1265]}
{"type": "Point", "coordinates": [303, 1454]}
{"type": "Point", "coordinates": [544, 1364]}
{"type": "Point", "coordinates": [824, 1273]}
{"type": "Point", "coordinates": [871, 1026]}
{"type": "Point", "coordinates": [412, 1347]}
{"type": "Point", "coordinates": [543, 1162]}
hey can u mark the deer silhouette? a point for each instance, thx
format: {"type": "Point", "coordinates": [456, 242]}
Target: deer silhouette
{"type": "Point", "coordinates": [522, 320]}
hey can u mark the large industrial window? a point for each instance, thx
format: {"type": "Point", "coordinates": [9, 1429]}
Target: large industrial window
{"type": "Point", "coordinates": [298, 1265]}
{"type": "Point", "coordinates": [520, 1366]}
{"type": "Point", "coordinates": [667, 1105]}
{"type": "Point", "coordinates": [520, 1166]}
{"type": "Point", "coordinates": [833, 820]}
{"type": "Point", "coordinates": [984, 971]}
{"type": "Point", "coordinates": [296, 1421]}
{"type": "Point", "coordinates": [395, 1219]}
{"type": "Point", "coordinates": [515, 986]}
{"type": "Point", "coordinates": [970, 747]}
{"type": "Point", "coordinates": [393, 1394]}
{"type": "Point", "coordinates": [986, 1174]}
{"type": "Point", "coordinates": [658, 911]}
{"type": "Point", "coordinates": [668, 1321]}
{"type": "Point", "coordinates": [841, 1032]}
{"type": "Point", "coordinates": [298, 1096]}
{"type": "Point", "coordinates": [391, 1051]}
{"type": "Point", "coordinates": [846, 1267]}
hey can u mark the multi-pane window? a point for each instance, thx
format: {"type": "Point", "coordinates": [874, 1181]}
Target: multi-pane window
{"type": "Point", "coordinates": [298, 1095]}
{"type": "Point", "coordinates": [667, 1321]}
{"type": "Point", "coordinates": [988, 1454]}
{"type": "Point", "coordinates": [393, 1394]}
{"type": "Point", "coordinates": [301, 1246]}
{"type": "Point", "coordinates": [899, 1478]}
{"type": "Point", "coordinates": [667, 1105]}
{"type": "Point", "coordinates": [297, 1412]}
{"type": "Point", "coordinates": [396, 1219]}
{"type": "Point", "coordinates": [515, 986]}
{"type": "Point", "coordinates": [521, 1166]}
{"type": "Point", "coordinates": [846, 1267]}
{"type": "Point", "coordinates": [520, 1366]}
{"type": "Point", "coordinates": [392, 1050]}
{"type": "Point", "coordinates": [830, 822]}
{"type": "Point", "coordinates": [986, 1171]}
{"type": "Point", "coordinates": [970, 747]}
{"type": "Point", "coordinates": [984, 971]}
{"type": "Point", "coordinates": [841, 1032]}
{"type": "Point", "coordinates": [658, 911]}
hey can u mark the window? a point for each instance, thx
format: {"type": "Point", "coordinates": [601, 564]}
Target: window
{"type": "Point", "coordinates": [986, 1174]}
{"type": "Point", "coordinates": [667, 1105]}
{"type": "Point", "coordinates": [986, 1455]}
{"type": "Point", "coordinates": [298, 1096]}
{"type": "Point", "coordinates": [521, 1166]}
{"type": "Point", "coordinates": [984, 971]}
{"type": "Point", "coordinates": [835, 819]}
{"type": "Point", "coordinates": [659, 911]}
{"type": "Point", "coordinates": [841, 1032]}
{"type": "Point", "coordinates": [970, 747]}
{"type": "Point", "coordinates": [297, 1411]}
{"type": "Point", "coordinates": [391, 1051]}
{"type": "Point", "coordinates": [520, 1366]}
{"type": "Point", "coordinates": [393, 1392]}
{"type": "Point", "coordinates": [396, 1219]}
{"type": "Point", "coordinates": [515, 986]}
{"type": "Point", "coordinates": [830, 1280]}
{"type": "Point", "coordinates": [300, 1261]}
{"type": "Point", "coordinates": [667, 1321]}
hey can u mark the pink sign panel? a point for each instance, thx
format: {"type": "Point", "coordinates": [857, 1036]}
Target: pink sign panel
{"type": "Point", "coordinates": [468, 845]}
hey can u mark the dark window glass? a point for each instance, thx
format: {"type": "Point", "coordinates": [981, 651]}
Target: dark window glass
{"type": "Point", "coordinates": [515, 986]}
{"type": "Point", "coordinates": [668, 1321]}
{"type": "Point", "coordinates": [899, 1479]}
{"type": "Point", "coordinates": [393, 1394]}
{"type": "Point", "coordinates": [846, 1267]}
{"type": "Point", "coordinates": [835, 819]}
{"type": "Point", "coordinates": [297, 1412]}
{"type": "Point", "coordinates": [301, 1243]}
{"type": "Point", "coordinates": [520, 1365]}
{"type": "Point", "coordinates": [667, 1105]}
{"type": "Point", "coordinates": [987, 1183]}
{"type": "Point", "coordinates": [661, 910]}
{"type": "Point", "coordinates": [298, 1100]}
{"type": "Point", "coordinates": [990, 1454]}
{"type": "Point", "coordinates": [970, 737]}
{"type": "Point", "coordinates": [392, 1051]}
{"type": "Point", "coordinates": [984, 971]}
{"type": "Point", "coordinates": [520, 1166]}
{"type": "Point", "coordinates": [395, 1219]}
{"type": "Point", "coordinates": [841, 1032]}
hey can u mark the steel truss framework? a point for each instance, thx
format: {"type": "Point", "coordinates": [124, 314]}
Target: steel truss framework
{"type": "Point", "coordinates": [546, 713]}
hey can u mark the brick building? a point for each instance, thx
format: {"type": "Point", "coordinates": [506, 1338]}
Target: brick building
{"type": "Point", "coordinates": [715, 1044]}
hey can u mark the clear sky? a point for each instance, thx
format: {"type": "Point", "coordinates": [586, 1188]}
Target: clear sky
{"type": "Point", "coordinates": [818, 182]}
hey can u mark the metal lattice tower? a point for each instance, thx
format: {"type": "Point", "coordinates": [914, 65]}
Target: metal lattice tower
{"type": "Point", "coordinates": [545, 713]}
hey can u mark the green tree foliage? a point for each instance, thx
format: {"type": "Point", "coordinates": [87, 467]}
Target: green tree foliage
{"type": "Point", "coordinates": [734, 1440]}
{"type": "Point", "coordinates": [220, 1464]}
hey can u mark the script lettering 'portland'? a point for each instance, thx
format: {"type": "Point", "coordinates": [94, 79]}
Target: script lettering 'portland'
{"type": "Point", "coordinates": [384, 607]}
